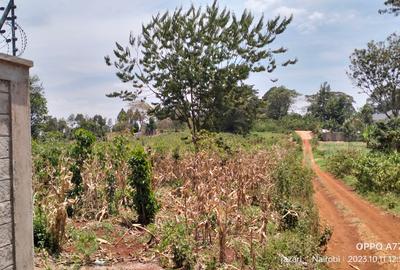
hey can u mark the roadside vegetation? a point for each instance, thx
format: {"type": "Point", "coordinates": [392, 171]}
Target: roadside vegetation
{"type": "Point", "coordinates": [374, 172]}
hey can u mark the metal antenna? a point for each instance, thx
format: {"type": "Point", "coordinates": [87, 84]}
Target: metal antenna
{"type": "Point", "coordinates": [9, 19]}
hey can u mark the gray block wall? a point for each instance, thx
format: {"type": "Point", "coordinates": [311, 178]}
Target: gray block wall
{"type": "Point", "coordinates": [16, 237]}
{"type": "Point", "coordinates": [6, 232]}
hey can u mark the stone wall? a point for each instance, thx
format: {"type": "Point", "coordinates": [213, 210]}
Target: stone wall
{"type": "Point", "coordinates": [6, 227]}
{"type": "Point", "coordinates": [16, 237]}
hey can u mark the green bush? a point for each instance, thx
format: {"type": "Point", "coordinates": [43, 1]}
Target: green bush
{"type": "Point", "coordinates": [145, 203]}
{"type": "Point", "coordinates": [384, 135]}
{"type": "Point", "coordinates": [175, 236]}
{"type": "Point", "coordinates": [111, 198]}
{"type": "Point", "coordinates": [85, 243]}
{"type": "Point", "coordinates": [268, 125]}
{"type": "Point", "coordinates": [289, 214]}
{"type": "Point", "coordinates": [80, 151]}
{"type": "Point", "coordinates": [292, 179]}
{"type": "Point", "coordinates": [343, 162]}
{"type": "Point", "coordinates": [46, 155]}
{"type": "Point", "coordinates": [378, 172]}
{"type": "Point", "coordinates": [288, 245]}
{"type": "Point", "coordinates": [297, 138]}
{"type": "Point", "coordinates": [42, 237]}
{"type": "Point", "coordinates": [373, 171]}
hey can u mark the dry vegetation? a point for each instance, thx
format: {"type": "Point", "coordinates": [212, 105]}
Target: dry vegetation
{"type": "Point", "coordinates": [219, 208]}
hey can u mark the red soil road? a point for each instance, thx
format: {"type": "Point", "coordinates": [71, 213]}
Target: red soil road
{"type": "Point", "coordinates": [353, 220]}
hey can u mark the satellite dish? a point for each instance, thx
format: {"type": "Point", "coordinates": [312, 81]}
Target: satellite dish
{"type": "Point", "coordinates": [13, 39]}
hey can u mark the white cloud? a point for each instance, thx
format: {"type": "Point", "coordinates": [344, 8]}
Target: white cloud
{"type": "Point", "coordinates": [261, 5]}
{"type": "Point", "coordinates": [316, 16]}
{"type": "Point", "coordinates": [288, 11]}
{"type": "Point", "coordinates": [307, 18]}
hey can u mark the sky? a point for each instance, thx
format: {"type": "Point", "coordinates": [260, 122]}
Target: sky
{"type": "Point", "coordinates": [68, 39]}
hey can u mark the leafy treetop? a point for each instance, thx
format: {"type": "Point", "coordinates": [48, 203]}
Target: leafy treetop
{"type": "Point", "coordinates": [376, 70]}
{"type": "Point", "coordinates": [38, 106]}
{"type": "Point", "coordinates": [393, 7]}
{"type": "Point", "coordinates": [191, 60]}
{"type": "Point", "coordinates": [332, 108]}
{"type": "Point", "coordinates": [278, 101]}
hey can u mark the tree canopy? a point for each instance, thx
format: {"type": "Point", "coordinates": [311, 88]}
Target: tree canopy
{"type": "Point", "coordinates": [278, 101]}
{"type": "Point", "coordinates": [196, 62]}
{"type": "Point", "coordinates": [376, 70]}
{"type": "Point", "coordinates": [392, 7]}
{"type": "Point", "coordinates": [38, 106]}
{"type": "Point", "coordinates": [332, 108]}
{"type": "Point", "coordinates": [96, 124]}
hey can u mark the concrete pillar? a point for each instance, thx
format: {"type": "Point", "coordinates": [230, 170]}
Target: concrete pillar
{"type": "Point", "coordinates": [16, 207]}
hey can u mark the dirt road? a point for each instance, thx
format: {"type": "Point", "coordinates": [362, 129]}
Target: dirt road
{"type": "Point", "coordinates": [357, 225]}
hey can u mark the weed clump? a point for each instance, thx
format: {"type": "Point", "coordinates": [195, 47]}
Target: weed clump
{"type": "Point", "coordinates": [175, 236]}
{"type": "Point", "coordinates": [85, 243]}
{"type": "Point", "coordinates": [48, 236]}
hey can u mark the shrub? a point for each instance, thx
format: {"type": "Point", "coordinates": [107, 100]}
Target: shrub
{"type": "Point", "coordinates": [46, 236]}
{"type": "Point", "coordinates": [80, 151]}
{"type": "Point", "coordinates": [293, 190]}
{"type": "Point", "coordinates": [85, 242]}
{"type": "Point", "coordinates": [292, 178]}
{"type": "Point", "coordinates": [145, 203]}
{"type": "Point", "coordinates": [111, 198]}
{"type": "Point", "coordinates": [289, 214]}
{"type": "Point", "coordinates": [384, 135]}
{"type": "Point", "coordinates": [45, 156]}
{"type": "Point", "coordinates": [343, 162]}
{"type": "Point", "coordinates": [378, 172]}
{"type": "Point", "coordinates": [175, 237]}
{"type": "Point", "coordinates": [296, 138]}
{"type": "Point", "coordinates": [41, 235]}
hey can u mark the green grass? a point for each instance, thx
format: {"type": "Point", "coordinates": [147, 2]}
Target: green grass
{"type": "Point", "coordinates": [175, 142]}
{"type": "Point", "coordinates": [325, 150]}
{"type": "Point", "coordinates": [169, 142]}
{"type": "Point", "coordinates": [335, 146]}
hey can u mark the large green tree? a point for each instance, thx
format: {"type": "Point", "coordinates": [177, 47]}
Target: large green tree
{"type": "Point", "coordinates": [332, 108]}
{"type": "Point", "coordinates": [193, 60]}
{"type": "Point", "coordinates": [376, 70]}
{"type": "Point", "coordinates": [38, 106]}
{"type": "Point", "coordinates": [277, 101]}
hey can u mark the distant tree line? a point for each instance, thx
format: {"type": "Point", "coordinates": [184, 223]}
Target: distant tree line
{"type": "Point", "coordinates": [133, 120]}
{"type": "Point", "coordinates": [43, 124]}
